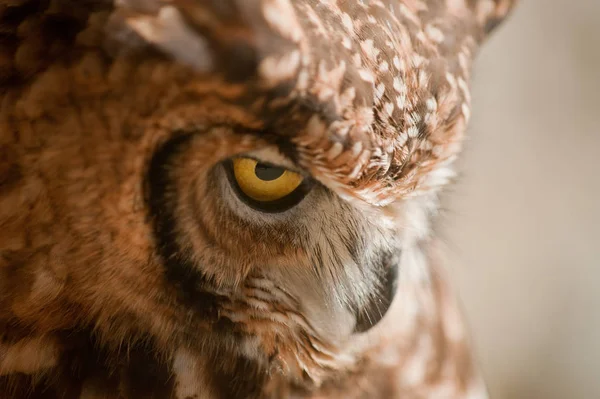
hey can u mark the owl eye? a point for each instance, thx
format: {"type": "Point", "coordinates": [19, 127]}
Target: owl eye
{"type": "Point", "coordinates": [264, 186]}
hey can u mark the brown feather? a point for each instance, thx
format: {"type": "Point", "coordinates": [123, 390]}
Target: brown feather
{"type": "Point", "coordinates": [128, 269]}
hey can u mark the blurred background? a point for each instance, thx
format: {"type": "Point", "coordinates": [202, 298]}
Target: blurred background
{"type": "Point", "coordinates": [522, 225]}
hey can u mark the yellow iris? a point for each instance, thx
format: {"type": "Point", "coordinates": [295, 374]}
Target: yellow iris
{"type": "Point", "coordinates": [262, 182]}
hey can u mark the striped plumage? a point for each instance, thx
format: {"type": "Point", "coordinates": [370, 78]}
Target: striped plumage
{"type": "Point", "coordinates": [129, 268]}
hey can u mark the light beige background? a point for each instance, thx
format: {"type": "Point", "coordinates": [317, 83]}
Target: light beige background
{"type": "Point", "coordinates": [523, 223]}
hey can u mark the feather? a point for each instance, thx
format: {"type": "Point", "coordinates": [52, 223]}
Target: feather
{"type": "Point", "coordinates": [129, 264]}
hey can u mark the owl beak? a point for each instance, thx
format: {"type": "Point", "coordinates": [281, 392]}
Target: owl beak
{"type": "Point", "coordinates": [377, 306]}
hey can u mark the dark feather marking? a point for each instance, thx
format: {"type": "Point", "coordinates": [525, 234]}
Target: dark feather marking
{"type": "Point", "coordinates": [236, 377]}
{"type": "Point", "coordinates": [179, 271]}
{"type": "Point", "coordinates": [240, 378]}
{"type": "Point", "coordinates": [135, 373]}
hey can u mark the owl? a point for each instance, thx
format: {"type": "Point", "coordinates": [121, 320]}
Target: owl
{"type": "Point", "coordinates": [217, 199]}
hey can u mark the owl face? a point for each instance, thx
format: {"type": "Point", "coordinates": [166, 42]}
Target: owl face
{"type": "Point", "coordinates": [252, 238]}
{"type": "Point", "coordinates": [230, 188]}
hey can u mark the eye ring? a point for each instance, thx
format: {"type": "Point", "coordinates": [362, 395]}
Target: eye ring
{"type": "Point", "coordinates": [297, 185]}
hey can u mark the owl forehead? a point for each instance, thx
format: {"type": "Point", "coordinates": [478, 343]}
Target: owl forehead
{"type": "Point", "coordinates": [389, 77]}
{"type": "Point", "coordinates": [373, 94]}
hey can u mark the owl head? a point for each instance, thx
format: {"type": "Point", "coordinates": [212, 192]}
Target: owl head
{"type": "Point", "coordinates": [245, 181]}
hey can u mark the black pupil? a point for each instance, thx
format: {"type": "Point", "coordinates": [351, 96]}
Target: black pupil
{"type": "Point", "coordinates": [268, 172]}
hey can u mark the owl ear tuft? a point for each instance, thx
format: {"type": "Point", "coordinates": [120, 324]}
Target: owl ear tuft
{"type": "Point", "coordinates": [136, 24]}
{"type": "Point", "coordinates": [491, 13]}
{"type": "Point", "coordinates": [229, 37]}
